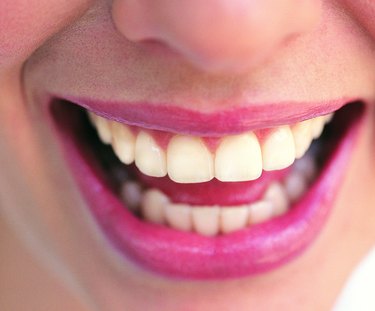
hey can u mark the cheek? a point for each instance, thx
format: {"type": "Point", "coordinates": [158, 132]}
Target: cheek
{"type": "Point", "coordinates": [27, 23]}
{"type": "Point", "coordinates": [364, 12]}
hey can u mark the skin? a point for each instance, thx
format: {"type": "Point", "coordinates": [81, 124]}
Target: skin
{"type": "Point", "coordinates": [52, 253]}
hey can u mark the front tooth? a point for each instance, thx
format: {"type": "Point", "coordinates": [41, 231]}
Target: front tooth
{"type": "Point", "coordinates": [189, 160]}
{"type": "Point", "coordinates": [178, 216]}
{"type": "Point", "coordinates": [302, 137]}
{"type": "Point", "coordinates": [149, 157]}
{"type": "Point", "coordinates": [317, 126]}
{"type": "Point", "coordinates": [238, 158]}
{"type": "Point", "coordinates": [276, 194]}
{"type": "Point", "coordinates": [234, 218]}
{"type": "Point", "coordinates": [103, 129]}
{"type": "Point", "coordinates": [153, 206]}
{"type": "Point", "coordinates": [123, 142]}
{"type": "Point", "coordinates": [260, 212]}
{"type": "Point", "coordinates": [206, 220]}
{"type": "Point", "coordinates": [278, 149]}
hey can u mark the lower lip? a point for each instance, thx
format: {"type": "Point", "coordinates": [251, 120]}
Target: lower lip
{"type": "Point", "coordinates": [166, 251]}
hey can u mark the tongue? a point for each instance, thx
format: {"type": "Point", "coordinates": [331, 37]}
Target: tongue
{"type": "Point", "coordinates": [213, 192]}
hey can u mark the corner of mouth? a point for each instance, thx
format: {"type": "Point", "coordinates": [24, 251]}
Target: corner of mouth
{"type": "Point", "coordinates": [167, 246]}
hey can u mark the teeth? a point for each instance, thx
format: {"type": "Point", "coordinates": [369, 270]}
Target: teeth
{"type": "Point", "coordinates": [278, 149]}
{"type": "Point", "coordinates": [278, 197]}
{"type": "Point", "coordinates": [123, 143]}
{"type": "Point", "coordinates": [206, 220]}
{"type": "Point", "coordinates": [149, 157]}
{"type": "Point", "coordinates": [179, 216]}
{"type": "Point", "coordinates": [317, 126]}
{"type": "Point", "coordinates": [232, 162]}
{"type": "Point", "coordinates": [302, 137]}
{"type": "Point", "coordinates": [187, 159]}
{"type": "Point", "coordinates": [260, 211]}
{"type": "Point", "coordinates": [153, 205]}
{"type": "Point", "coordinates": [295, 185]}
{"type": "Point", "coordinates": [234, 218]}
{"type": "Point", "coordinates": [131, 193]}
{"type": "Point", "coordinates": [213, 220]}
{"type": "Point", "coordinates": [103, 127]}
{"type": "Point", "coordinates": [306, 167]}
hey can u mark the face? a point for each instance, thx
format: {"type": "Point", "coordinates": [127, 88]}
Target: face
{"type": "Point", "coordinates": [126, 133]}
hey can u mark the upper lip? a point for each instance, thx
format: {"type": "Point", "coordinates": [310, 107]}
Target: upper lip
{"type": "Point", "coordinates": [175, 119]}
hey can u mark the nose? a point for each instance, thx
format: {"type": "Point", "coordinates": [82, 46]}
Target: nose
{"type": "Point", "coordinates": [217, 35]}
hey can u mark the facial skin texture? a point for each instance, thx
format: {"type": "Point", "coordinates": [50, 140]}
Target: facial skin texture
{"type": "Point", "coordinates": [170, 52]}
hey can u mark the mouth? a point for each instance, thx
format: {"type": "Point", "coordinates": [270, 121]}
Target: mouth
{"type": "Point", "coordinates": [191, 199]}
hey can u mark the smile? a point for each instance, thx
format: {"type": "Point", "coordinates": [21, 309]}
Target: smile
{"type": "Point", "coordinates": [192, 199]}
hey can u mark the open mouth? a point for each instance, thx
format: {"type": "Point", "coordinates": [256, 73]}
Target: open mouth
{"type": "Point", "coordinates": [217, 206]}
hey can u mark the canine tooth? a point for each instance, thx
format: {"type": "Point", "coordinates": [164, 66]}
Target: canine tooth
{"type": "Point", "coordinates": [276, 194]}
{"type": "Point", "coordinates": [233, 218]}
{"type": "Point", "coordinates": [178, 216]}
{"type": "Point", "coordinates": [238, 158]}
{"type": "Point", "coordinates": [260, 211]}
{"type": "Point", "coordinates": [328, 117]}
{"type": "Point", "coordinates": [123, 142]}
{"type": "Point", "coordinates": [189, 160]}
{"type": "Point", "coordinates": [295, 185]}
{"type": "Point", "coordinates": [131, 193]}
{"type": "Point", "coordinates": [278, 149]}
{"type": "Point", "coordinates": [92, 118]}
{"type": "Point", "coordinates": [149, 157]}
{"type": "Point", "coordinates": [153, 206]}
{"type": "Point", "coordinates": [206, 220]}
{"type": "Point", "coordinates": [317, 126]}
{"type": "Point", "coordinates": [302, 137]}
{"type": "Point", "coordinates": [103, 128]}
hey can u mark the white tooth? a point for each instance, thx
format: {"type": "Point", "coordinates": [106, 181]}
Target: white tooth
{"type": "Point", "coordinates": [276, 194]}
{"type": "Point", "coordinates": [131, 192]}
{"type": "Point", "coordinates": [306, 166]}
{"type": "Point", "coordinates": [149, 157]}
{"type": "Point", "coordinates": [123, 142]}
{"type": "Point", "coordinates": [238, 158]}
{"type": "Point", "coordinates": [260, 211]}
{"type": "Point", "coordinates": [328, 118]}
{"type": "Point", "coordinates": [153, 206]}
{"type": "Point", "coordinates": [317, 126]}
{"type": "Point", "coordinates": [234, 218]}
{"type": "Point", "coordinates": [178, 216]}
{"type": "Point", "coordinates": [92, 118]}
{"type": "Point", "coordinates": [295, 186]}
{"type": "Point", "coordinates": [103, 129]}
{"type": "Point", "coordinates": [278, 149]}
{"type": "Point", "coordinates": [189, 160]}
{"type": "Point", "coordinates": [302, 137]}
{"type": "Point", "coordinates": [206, 220]}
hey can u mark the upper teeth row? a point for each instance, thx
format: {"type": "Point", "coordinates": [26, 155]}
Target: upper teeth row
{"type": "Point", "coordinates": [188, 160]}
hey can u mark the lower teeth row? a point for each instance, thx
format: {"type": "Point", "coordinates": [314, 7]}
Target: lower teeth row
{"type": "Point", "coordinates": [155, 207]}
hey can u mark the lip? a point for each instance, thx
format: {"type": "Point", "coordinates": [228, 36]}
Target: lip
{"type": "Point", "coordinates": [172, 253]}
{"type": "Point", "coordinates": [238, 119]}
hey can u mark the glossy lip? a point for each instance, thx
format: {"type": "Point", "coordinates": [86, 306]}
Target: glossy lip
{"type": "Point", "coordinates": [238, 119]}
{"type": "Point", "coordinates": [187, 255]}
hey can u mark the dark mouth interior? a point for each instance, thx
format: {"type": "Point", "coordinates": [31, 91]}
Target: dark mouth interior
{"type": "Point", "coordinates": [72, 122]}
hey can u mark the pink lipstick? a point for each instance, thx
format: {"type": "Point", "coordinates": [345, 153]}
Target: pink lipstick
{"type": "Point", "coordinates": [253, 250]}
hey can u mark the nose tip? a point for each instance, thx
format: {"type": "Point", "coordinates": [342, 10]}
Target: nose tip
{"type": "Point", "coordinates": [217, 35]}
